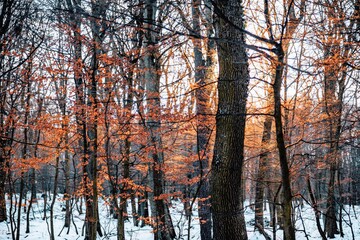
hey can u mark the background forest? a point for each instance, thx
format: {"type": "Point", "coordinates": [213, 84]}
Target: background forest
{"type": "Point", "coordinates": [127, 110]}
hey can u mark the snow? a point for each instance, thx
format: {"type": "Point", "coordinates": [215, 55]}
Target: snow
{"type": "Point", "coordinates": [39, 228]}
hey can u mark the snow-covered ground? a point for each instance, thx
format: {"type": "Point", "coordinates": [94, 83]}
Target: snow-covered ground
{"type": "Point", "coordinates": [306, 228]}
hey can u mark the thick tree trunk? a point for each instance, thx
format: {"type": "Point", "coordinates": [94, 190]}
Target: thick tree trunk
{"type": "Point", "coordinates": [227, 165]}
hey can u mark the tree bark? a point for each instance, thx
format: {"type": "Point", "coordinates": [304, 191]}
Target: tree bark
{"type": "Point", "coordinates": [262, 174]}
{"type": "Point", "coordinates": [10, 16]}
{"type": "Point", "coordinates": [33, 177]}
{"type": "Point", "coordinates": [3, 216]}
{"type": "Point", "coordinates": [289, 231]}
{"type": "Point", "coordinates": [98, 9]}
{"type": "Point", "coordinates": [227, 165]}
{"type": "Point", "coordinates": [56, 177]}
{"type": "Point", "coordinates": [203, 76]}
{"type": "Point", "coordinates": [335, 75]}
{"type": "Point", "coordinates": [162, 222]}
{"type": "Point", "coordinates": [25, 150]}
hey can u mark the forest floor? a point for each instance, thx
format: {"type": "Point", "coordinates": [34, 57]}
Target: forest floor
{"type": "Point", "coordinates": [39, 229]}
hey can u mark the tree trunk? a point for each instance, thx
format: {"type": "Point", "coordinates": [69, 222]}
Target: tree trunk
{"type": "Point", "coordinates": [330, 217]}
{"type": "Point", "coordinates": [9, 16]}
{"type": "Point", "coordinates": [33, 178]}
{"type": "Point", "coordinates": [5, 152]}
{"type": "Point", "coordinates": [227, 165]}
{"type": "Point", "coordinates": [143, 208]}
{"type": "Point", "coordinates": [3, 216]}
{"type": "Point", "coordinates": [203, 79]}
{"type": "Point", "coordinates": [333, 109]}
{"type": "Point", "coordinates": [262, 173]}
{"type": "Point", "coordinates": [134, 210]}
{"type": "Point", "coordinates": [315, 208]}
{"type": "Point", "coordinates": [68, 191]}
{"type": "Point", "coordinates": [98, 9]}
{"type": "Point", "coordinates": [289, 231]}
{"type": "Point", "coordinates": [25, 150]}
{"type": "Point", "coordinates": [162, 231]}
{"type": "Point", "coordinates": [125, 191]}
{"type": "Point", "coordinates": [52, 231]}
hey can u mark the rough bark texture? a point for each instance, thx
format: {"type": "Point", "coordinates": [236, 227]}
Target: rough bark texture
{"type": "Point", "coordinates": [226, 178]}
